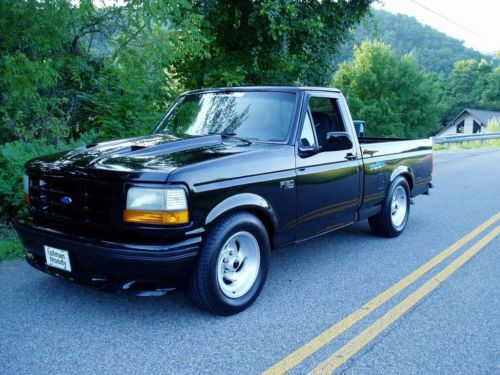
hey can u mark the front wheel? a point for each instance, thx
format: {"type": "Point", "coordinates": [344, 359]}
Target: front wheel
{"type": "Point", "coordinates": [392, 219]}
{"type": "Point", "coordinates": [233, 265]}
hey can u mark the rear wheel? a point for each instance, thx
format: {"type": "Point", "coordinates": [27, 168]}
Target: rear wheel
{"type": "Point", "coordinates": [233, 265]}
{"type": "Point", "coordinates": [392, 219]}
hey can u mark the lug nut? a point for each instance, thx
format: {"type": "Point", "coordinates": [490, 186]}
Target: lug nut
{"type": "Point", "coordinates": [225, 260]}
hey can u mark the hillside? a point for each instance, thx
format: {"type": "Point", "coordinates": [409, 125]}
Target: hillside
{"type": "Point", "coordinates": [434, 50]}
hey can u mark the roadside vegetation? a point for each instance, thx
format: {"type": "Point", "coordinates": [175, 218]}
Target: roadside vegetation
{"type": "Point", "coordinates": [470, 145]}
{"type": "Point", "coordinates": [10, 246]}
{"type": "Point", "coordinates": [77, 72]}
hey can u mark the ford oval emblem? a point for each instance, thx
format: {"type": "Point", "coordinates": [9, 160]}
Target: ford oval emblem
{"type": "Point", "coordinates": [66, 200]}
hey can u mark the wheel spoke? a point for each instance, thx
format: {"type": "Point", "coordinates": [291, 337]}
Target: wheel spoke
{"type": "Point", "coordinates": [229, 277]}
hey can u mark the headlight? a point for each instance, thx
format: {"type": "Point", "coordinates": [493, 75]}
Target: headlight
{"type": "Point", "coordinates": [156, 206]}
{"type": "Point", "coordinates": [26, 188]}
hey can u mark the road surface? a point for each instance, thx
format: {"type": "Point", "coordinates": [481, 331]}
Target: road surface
{"type": "Point", "coordinates": [446, 320]}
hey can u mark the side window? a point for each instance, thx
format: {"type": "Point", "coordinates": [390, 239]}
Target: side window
{"type": "Point", "coordinates": [326, 117]}
{"type": "Point", "coordinates": [307, 135]}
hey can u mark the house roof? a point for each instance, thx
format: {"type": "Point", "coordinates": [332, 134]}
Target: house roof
{"type": "Point", "coordinates": [481, 115]}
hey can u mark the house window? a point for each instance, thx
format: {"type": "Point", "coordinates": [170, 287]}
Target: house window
{"type": "Point", "coordinates": [476, 127]}
{"type": "Point", "coordinates": [460, 127]}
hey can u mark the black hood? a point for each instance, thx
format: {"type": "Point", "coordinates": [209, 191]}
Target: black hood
{"type": "Point", "coordinates": [144, 158]}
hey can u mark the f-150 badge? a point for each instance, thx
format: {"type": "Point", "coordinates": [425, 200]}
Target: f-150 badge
{"type": "Point", "coordinates": [287, 184]}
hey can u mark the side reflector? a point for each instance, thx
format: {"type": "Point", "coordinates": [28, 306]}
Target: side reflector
{"type": "Point", "coordinates": [27, 197]}
{"type": "Point", "coordinates": [154, 217]}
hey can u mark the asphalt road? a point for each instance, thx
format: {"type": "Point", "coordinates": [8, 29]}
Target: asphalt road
{"type": "Point", "coordinates": [52, 326]}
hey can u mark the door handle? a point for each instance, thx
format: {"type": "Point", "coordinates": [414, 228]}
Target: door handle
{"type": "Point", "coordinates": [350, 156]}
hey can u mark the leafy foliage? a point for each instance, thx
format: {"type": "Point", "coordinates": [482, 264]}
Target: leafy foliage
{"type": "Point", "coordinates": [66, 69]}
{"type": "Point", "coordinates": [473, 84]}
{"type": "Point", "coordinates": [55, 83]}
{"type": "Point", "coordinates": [269, 41]}
{"type": "Point", "coordinates": [393, 95]}
{"type": "Point", "coordinates": [13, 155]}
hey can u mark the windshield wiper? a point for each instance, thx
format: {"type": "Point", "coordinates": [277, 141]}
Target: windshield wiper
{"type": "Point", "coordinates": [232, 135]}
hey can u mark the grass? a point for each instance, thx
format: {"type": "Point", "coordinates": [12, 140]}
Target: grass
{"type": "Point", "coordinates": [10, 246]}
{"type": "Point", "coordinates": [470, 145]}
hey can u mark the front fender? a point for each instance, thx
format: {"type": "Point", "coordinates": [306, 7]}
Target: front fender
{"type": "Point", "coordinates": [243, 201]}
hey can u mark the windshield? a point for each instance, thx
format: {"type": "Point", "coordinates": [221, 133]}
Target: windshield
{"type": "Point", "coordinates": [256, 116]}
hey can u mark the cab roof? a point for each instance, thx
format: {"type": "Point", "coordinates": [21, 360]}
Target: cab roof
{"type": "Point", "coordinates": [263, 88]}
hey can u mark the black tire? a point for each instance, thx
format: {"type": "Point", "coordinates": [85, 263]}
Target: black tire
{"type": "Point", "coordinates": [203, 286]}
{"type": "Point", "coordinates": [382, 223]}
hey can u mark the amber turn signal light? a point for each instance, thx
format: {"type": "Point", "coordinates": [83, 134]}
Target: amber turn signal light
{"type": "Point", "coordinates": [155, 217]}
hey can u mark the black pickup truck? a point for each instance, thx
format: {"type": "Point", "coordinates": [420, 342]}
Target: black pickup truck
{"type": "Point", "coordinates": [227, 175]}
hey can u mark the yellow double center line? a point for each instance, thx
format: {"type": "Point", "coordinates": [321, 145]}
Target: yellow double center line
{"type": "Point", "coordinates": [352, 347]}
{"type": "Point", "coordinates": [338, 358]}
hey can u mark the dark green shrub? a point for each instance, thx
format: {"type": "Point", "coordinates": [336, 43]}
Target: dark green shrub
{"type": "Point", "coordinates": [13, 156]}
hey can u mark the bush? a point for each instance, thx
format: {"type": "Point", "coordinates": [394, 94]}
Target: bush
{"type": "Point", "coordinates": [13, 156]}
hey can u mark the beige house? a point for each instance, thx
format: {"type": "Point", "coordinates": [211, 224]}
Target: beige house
{"type": "Point", "coordinates": [470, 121]}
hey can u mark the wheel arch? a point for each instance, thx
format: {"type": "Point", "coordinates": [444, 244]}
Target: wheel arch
{"type": "Point", "coordinates": [247, 202]}
{"type": "Point", "coordinates": [406, 172]}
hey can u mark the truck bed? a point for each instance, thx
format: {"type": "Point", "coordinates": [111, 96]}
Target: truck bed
{"type": "Point", "coordinates": [363, 140]}
{"type": "Point", "coordinates": [374, 147]}
{"type": "Point", "coordinates": [384, 158]}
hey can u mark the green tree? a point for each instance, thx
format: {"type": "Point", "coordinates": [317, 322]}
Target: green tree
{"type": "Point", "coordinates": [473, 84]}
{"type": "Point", "coordinates": [393, 95]}
{"type": "Point", "coordinates": [67, 69]}
{"type": "Point", "coordinates": [269, 41]}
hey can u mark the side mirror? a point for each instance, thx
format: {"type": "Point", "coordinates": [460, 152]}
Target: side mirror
{"type": "Point", "coordinates": [338, 141]}
{"type": "Point", "coordinates": [306, 151]}
{"type": "Point", "coordinates": [360, 127]}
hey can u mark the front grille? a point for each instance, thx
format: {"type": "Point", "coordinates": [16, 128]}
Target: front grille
{"type": "Point", "coordinates": [76, 200]}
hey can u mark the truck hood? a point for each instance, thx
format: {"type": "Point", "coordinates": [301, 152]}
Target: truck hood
{"type": "Point", "coordinates": [150, 158]}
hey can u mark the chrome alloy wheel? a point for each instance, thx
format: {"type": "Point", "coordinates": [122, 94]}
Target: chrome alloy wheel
{"type": "Point", "coordinates": [238, 264]}
{"type": "Point", "coordinates": [399, 206]}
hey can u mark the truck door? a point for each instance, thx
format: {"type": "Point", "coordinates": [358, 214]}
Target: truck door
{"type": "Point", "coordinates": [328, 178]}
